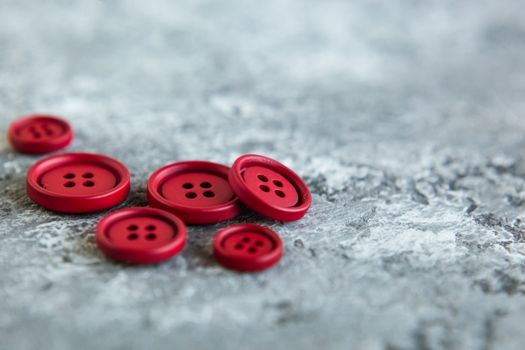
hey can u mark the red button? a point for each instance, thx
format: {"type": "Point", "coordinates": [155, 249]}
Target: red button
{"type": "Point", "coordinates": [270, 188]}
{"type": "Point", "coordinates": [196, 191]}
{"type": "Point", "coordinates": [78, 182]}
{"type": "Point", "coordinates": [141, 235]}
{"type": "Point", "coordinates": [248, 247]}
{"type": "Point", "coordinates": [39, 134]}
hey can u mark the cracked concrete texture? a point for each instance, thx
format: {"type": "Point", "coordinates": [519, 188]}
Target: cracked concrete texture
{"type": "Point", "coordinates": [405, 118]}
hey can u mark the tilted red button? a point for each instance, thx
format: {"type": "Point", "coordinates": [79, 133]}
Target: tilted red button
{"type": "Point", "coordinates": [270, 188]}
{"type": "Point", "coordinates": [247, 247]}
{"type": "Point", "coordinates": [196, 191]}
{"type": "Point", "coordinates": [141, 235]}
{"type": "Point", "coordinates": [78, 182]}
{"type": "Point", "coordinates": [40, 133]}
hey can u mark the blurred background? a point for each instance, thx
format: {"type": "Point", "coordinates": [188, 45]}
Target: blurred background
{"type": "Point", "coordinates": [406, 119]}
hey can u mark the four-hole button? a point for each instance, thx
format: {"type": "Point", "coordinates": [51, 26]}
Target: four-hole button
{"type": "Point", "coordinates": [272, 186]}
{"type": "Point", "coordinates": [197, 191]}
{"type": "Point", "coordinates": [269, 187]}
{"type": "Point", "coordinates": [78, 182]}
{"type": "Point", "coordinates": [141, 235]}
{"type": "Point", "coordinates": [39, 134]}
{"type": "Point", "coordinates": [248, 247]}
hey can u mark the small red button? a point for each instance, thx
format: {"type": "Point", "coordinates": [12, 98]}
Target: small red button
{"type": "Point", "coordinates": [197, 191]}
{"type": "Point", "coordinates": [270, 188]}
{"type": "Point", "coordinates": [39, 134]}
{"type": "Point", "coordinates": [141, 235]}
{"type": "Point", "coordinates": [78, 182]}
{"type": "Point", "coordinates": [247, 247]}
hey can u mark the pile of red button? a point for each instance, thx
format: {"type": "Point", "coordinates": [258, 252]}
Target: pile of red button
{"type": "Point", "coordinates": [188, 192]}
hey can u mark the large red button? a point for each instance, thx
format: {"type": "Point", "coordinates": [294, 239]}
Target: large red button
{"type": "Point", "coordinates": [270, 188]}
{"type": "Point", "coordinates": [39, 134]}
{"type": "Point", "coordinates": [196, 191]}
{"type": "Point", "coordinates": [78, 182]}
{"type": "Point", "coordinates": [141, 235]}
{"type": "Point", "coordinates": [248, 247]}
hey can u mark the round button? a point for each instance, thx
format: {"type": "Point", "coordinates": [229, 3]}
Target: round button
{"type": "Point", "coordinates": [78, 182]}
{"type": "Point", "coordinates": [270, 188]}
{"type": "Point", "coordinates": [196, 191]}
{"type": "Point", "coordinates": [37, 134]}
{"type": "Point", "coordinates": [247, 247]}
{"type": "Point", "coordinates": [141, 235]}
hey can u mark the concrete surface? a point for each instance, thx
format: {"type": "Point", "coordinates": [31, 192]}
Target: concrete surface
{"type": "Point", "coordinates": [406, 119]}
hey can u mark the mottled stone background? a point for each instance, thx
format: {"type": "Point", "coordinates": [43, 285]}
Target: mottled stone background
{"type": "Point", "coordinates": [406, 118]}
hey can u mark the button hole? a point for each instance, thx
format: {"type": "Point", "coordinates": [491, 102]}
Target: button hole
{"type": "Point", "coordinates": [87, 175]}
{"type": "Point", "coordinates": [191, 195]}
{"type": "Point", "coordinates": [151, 227]}
{"type": "Point", "coordinates": [262, 178]}
{"type": "Point", "coordinates": [133, 236]}
{"type": "Point", "coordinates": [277, 183]}
{"type": "Point", "coordinates": [69, 176]}
{"type": "Point", "coordinates": [252, 250]}
{"type": "Point", "coordinates": [259, 243]}
{"type": "Point", "coordinates": [187, 185]}
{"type": "Point", "coordinates": [89, 184]}
{"type": "Point", "coordinates": [133, 227]}
{"type": "Point", "coordinates": [280, 193]}
{"type": "Point", "coordinates": [246, 239]}
{"type": "Point", "coordinates": [69, 184]}
{"type": "Point", "coordinates": [151, 236]}
{"type": "Point", "coordinates": [209, 194]}
{"type": "Point", "coordinates": [239, 246]}
{"type": "Point", "coordinates": [264, 188]}
{"type": "Point", "coordinates": [205, 184]}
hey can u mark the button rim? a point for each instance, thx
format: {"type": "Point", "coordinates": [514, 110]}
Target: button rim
{"type": "Point", "coordinates": [77, 203]}
{"type": "Point", "coordinates": [247, 263]}
{"type": "Point", "coordinates": [138, 256]}
{"type": "Point", "coordinates": [191, 214]}
{"type": "Point", "coordinates": [40, 146]}
{"type": "Point", "coordinates": [251, 198]}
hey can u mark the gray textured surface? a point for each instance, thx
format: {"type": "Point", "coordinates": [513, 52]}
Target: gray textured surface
{"type": "Point", "coordinates": [406, 118]}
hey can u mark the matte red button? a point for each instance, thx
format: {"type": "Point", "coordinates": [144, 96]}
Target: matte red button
{"type": "Point", "coordinates": [141, 235]}
{"type": "Point", "coordinates": [39, 134]}
{"type": "Point", "coordinates": [248, 247]}
{"type": "Point", "coordinates": [196, 191]}
{"type": "Point", "coordinates": [270, 188]}
{"type": "Point", "coordinates": [78, 182]}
